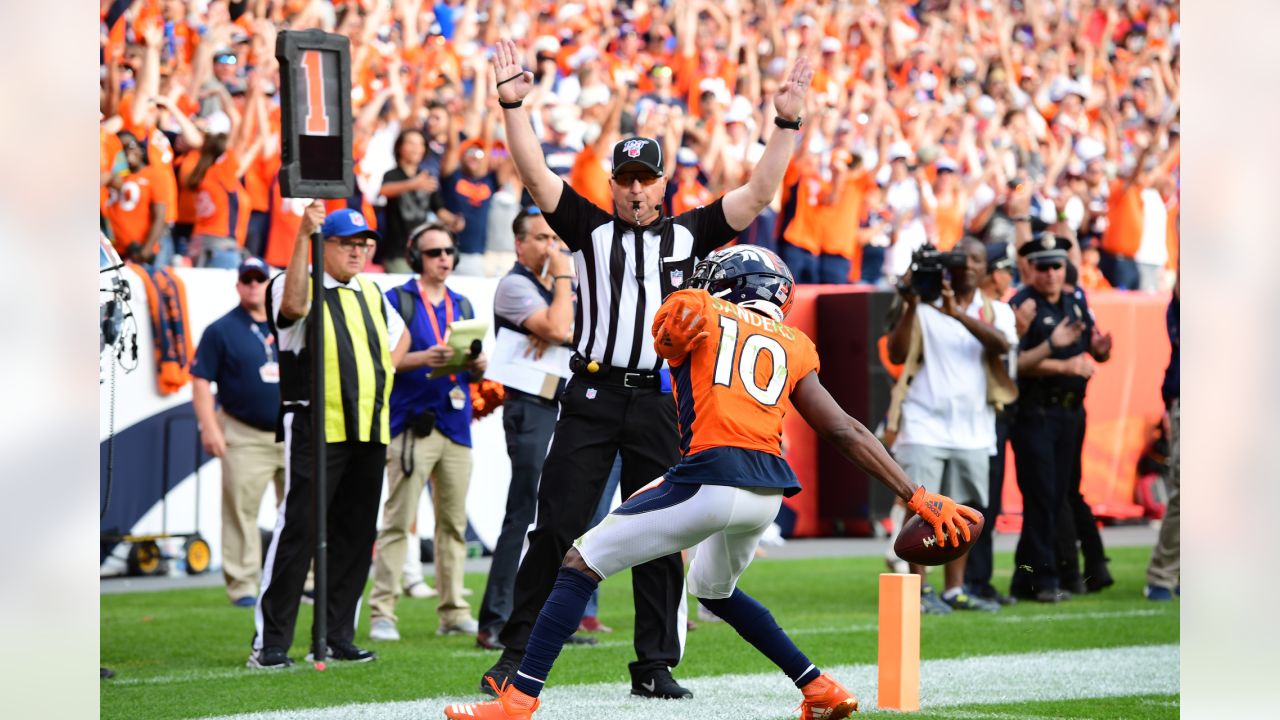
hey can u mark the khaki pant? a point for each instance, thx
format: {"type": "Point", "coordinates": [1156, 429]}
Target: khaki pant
{"type": "Point", "coordinates": [253, 460]}
{"type": "Point", "coordinates": [448, 464]}
{"type": "Point", "coordinates": [1165, 568]}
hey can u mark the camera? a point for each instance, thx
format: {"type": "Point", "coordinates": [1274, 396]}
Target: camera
{"type": "Point", "coordinates": [927, 267]}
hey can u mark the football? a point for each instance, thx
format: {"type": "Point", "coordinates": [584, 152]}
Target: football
{"type": "Point", "coordinates": [918, 544]}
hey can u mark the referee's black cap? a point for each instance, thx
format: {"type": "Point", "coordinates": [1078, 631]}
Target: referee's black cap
{"type": "Point", "coordinates": [640, 151]}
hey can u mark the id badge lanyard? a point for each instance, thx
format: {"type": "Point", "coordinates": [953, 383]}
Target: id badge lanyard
{"type": "Point", "coordinates": [270, 370]}
{"type": "Point", "coordinates": [457, 398]}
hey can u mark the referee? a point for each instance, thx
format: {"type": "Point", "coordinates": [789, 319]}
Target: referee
{"type": "Point", "coordinates": [618, 399]}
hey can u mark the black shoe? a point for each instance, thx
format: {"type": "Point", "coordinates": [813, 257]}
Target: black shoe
{"type": "Point", "coordinates": [347, 651]}
{"type": "Point", "coordinates": [659, 684]}
{"type": "Point", "coordinates": [1098, 579]}
{"type": "Point", "coordinates": [993, 595]}
{"type": "Point", "coordinates": [269, 658]}
{"type": "Point", "coordinates": [580, 639]}
{"type": "Point", "coordinates": [105, 673]}
{"type": "Point", "coordinates": [1053, 596]}
{"type": "Point", "coordinates": [502, 671]}
{"type": "Point", "coordinates": [1075, 586]}
{"type": "Point", "coordinates": [488, 640]}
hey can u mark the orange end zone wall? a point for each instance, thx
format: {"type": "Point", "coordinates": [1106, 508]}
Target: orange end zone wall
{"type": "Point", "coordinates": [1123, 406]}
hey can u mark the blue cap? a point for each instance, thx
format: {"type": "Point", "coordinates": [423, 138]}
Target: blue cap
{"type": "Point", "coordinates": [347, 223]}
{"type": "Point", "coordinates": [254, 265]}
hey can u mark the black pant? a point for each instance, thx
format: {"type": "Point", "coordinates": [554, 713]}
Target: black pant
{"type": "Point", "coordinates": [978, 569]}
{"type": "Point", "coordinates": [529, 424]}
{"type": "Point", "coordinates": [354, 485]}
{"type": "Point", "coordinates": [1046, 447]}
{"type": "Point", "coordinates": [1077, 527]}
{"type": "Point", "coordinates": [596, 422]}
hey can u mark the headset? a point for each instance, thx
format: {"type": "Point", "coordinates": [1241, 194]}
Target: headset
{"type": "Point", "coordinates": [413, 254]}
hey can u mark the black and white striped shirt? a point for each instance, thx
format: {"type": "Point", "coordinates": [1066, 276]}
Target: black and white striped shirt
{"type": "Point", "coordinates": [616, 304]}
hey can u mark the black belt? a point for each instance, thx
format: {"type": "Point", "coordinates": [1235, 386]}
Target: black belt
{"type": "Point", "coordinates": [622, 377]}
{"type": "Point", "coordinates": [1069, 399]}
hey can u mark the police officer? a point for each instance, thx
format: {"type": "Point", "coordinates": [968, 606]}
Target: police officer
{"type": "Point", "coordinates": [238, 353]}
{"type": "Point", "coordinates": [627, 262]}
{"type": "Point", "coordinates": [431, 438]}
{"type": "Point", "coordinates": [1055, 359]}
{"type": "Point", "coordinates": [535, 300]}
{"type": "Point", "coordinates": [364, 340]}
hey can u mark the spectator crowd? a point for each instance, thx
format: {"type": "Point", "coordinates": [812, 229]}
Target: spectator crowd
{"type": "Point", "coordinates": [929, 121]}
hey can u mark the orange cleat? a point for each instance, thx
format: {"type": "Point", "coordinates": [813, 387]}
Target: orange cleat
{"type": "Point", "coordinates": [826, 699]}
{"type": "Point", "coordinates": [510, 705]}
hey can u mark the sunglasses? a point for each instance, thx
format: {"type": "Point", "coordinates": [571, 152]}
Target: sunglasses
{"type": "Point", "coordinates": [626, 179]}
{"type": "Point", "coordinates": [351, 243]}
{"type": "Point", "coordinates": [1046, 267]}
{"type": "Point", "coordinates": [252, 279]}
{"type": "Point", "coordinates": [437, 252]}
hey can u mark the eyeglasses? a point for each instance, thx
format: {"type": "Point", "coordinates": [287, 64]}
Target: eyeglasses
{"type": "Point", "coordinates": [1046, 267]}
{"type": "Point", "coordinates": [351, 243]}
{"type": "Point", "coordinates": [626, 179]}
{"type": "Point", "coordinates": [437, 252]}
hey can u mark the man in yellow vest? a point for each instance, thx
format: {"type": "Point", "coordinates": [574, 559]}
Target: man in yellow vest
{"type": "Point", "coordinates": [364, 338]}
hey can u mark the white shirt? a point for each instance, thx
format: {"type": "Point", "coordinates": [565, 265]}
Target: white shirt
{"type": "Point", "coordinates": [946, 404]}
{"type": "Point", "coordinates": [294, 337]}
{"type": "Point", "coordinates": [1153, 249]}
{"type": "Point", "coordinates": [904, 198]}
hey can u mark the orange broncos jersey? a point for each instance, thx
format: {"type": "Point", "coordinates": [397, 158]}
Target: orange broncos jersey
{"type": "Point", "coordinates": [734, 389]}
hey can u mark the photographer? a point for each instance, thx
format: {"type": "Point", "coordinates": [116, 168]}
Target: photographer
{"type": "Point", "coordinates": [430, 438]}
{"type": "Point", "coordinates": [942, 411]}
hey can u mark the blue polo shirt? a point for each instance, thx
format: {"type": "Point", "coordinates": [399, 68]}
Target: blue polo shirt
{"type": "Point", "coordinates": [413, 392]}
{"type": "Point", "coordinates": [231, 353]}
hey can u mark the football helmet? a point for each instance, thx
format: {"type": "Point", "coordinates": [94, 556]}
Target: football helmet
{"type": "Point", "coordinates": [747, 275]}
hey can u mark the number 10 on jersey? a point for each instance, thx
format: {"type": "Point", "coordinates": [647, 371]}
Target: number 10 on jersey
{"type": "Point", "coordinates": [754, 346]}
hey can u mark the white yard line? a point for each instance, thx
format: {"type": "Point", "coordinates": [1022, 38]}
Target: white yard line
{"type": "Point", "coordinates": [988, 679]}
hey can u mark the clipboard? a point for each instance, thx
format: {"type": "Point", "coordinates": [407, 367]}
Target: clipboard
{"type": "Point", "coordinates": [459, 337]}
{"type": "Point", "coordinates": [511, 364]}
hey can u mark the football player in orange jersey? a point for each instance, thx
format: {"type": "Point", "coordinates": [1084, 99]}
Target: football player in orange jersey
{"type": "Point", "coordinates": [737, 369]}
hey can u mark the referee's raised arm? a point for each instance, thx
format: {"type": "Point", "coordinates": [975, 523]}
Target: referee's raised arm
{"type": "Point", "coordinates": [743, 204]}
{"type": "Point", "coordinates": [514, 83]}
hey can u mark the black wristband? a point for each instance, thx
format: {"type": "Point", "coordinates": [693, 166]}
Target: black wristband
{"type": "Point", "coordinates": [1021, 218]}
{"type": "Point", "coordinates": [786, 124]}
{"type": "Point", "coordinates": [511, 105]}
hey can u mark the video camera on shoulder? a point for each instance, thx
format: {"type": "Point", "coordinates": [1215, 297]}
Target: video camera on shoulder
{"type": "Point", "coordinates": [928, 267]}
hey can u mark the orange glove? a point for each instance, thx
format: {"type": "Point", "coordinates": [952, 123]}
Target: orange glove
{"type": "Point", "coordinates": [943, 514]}
{"type": "Point", "coordinates": [678, 327]}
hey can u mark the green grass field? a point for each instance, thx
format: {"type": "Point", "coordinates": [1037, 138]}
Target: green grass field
{"type": "Point", "coordinates": [180, 654]}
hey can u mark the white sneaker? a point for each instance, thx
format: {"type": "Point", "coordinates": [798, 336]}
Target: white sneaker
{"type": "Point", "coordinates": [383, 629]}
{"type": "Point", "coordinates": [469, 626]}
{"type": "Point", "coordinates": [420, 590]}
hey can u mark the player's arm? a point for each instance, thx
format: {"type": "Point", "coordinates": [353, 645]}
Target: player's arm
{"type": "Point", "coordinates": [678, 328]}
{"type": "Point", "coordinates": [850, 437]}
{"type": "Point", "coordinates": [743, 204]}
{"type": "Point", "coordinates": [862, 448]}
